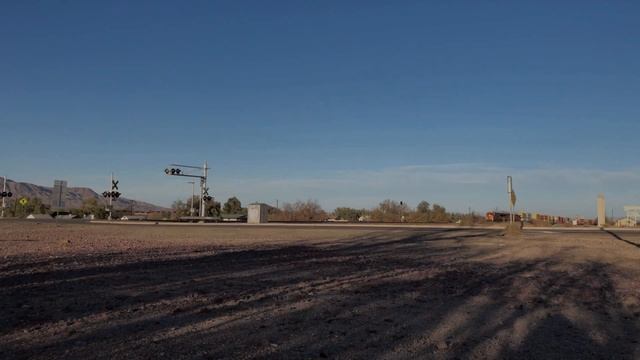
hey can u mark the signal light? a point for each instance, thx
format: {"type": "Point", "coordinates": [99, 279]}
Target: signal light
{"type": "Point", "coordinates": [173, 171]}
{"type": "Point", "coordinates": [111, 194]}
{"type": "Point", "coordinates": [4, 194]}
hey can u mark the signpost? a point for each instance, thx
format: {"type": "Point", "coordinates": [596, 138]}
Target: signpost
{"type": "Point", "coordinates": [193, 195]}
{"type": "Point", "coordinates": [512, 198]}
{"type": "Point", "coordinates": [4, 194]}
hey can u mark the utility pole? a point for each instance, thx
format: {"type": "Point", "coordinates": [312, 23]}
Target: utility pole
{"type": "Point", "coordinates": [193, 195]}
{"type": "Point", "coordinates": [4, 194]}
{"type": "Point", "coordinates": [4, 190]}
{"type": "Point", "coordinates": [512, 198]}
{"type": "Point", "coordinates": [204, 189]}
{"type": "Point", "coordinates": [111, 200]}
{"type": "Point", "coordinates": [612, 220]}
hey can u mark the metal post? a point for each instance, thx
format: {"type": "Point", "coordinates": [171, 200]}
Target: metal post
{"type": "Point", "coordinates": [111, 198]}
{"type": "Point", "coordinates": [509, 190]}
{"type": "Point", "coordinates": [4, 188]}
{"type": "Point", "coordinates": [203, 186]}
{"type": "Point", "coordinates": [193, 195]}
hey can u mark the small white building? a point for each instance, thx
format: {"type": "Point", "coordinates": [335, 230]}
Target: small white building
{"type": "Point", "coordinates": [258, 213]}
{"type": "Point", "coordinates": [626, 222]}
{"type": "Point", "coordinates": [633, 213]}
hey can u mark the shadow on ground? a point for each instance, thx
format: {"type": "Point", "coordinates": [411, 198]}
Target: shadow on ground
{"type": "Point", "coordinates": [390, 294]}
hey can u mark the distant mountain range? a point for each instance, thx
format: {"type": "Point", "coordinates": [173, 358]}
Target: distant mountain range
{"type": "Point", "coordinates": [75, 196]}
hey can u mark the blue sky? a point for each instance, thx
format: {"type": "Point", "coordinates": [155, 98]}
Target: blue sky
{"type": "Point", "coordinates": [346, 102]}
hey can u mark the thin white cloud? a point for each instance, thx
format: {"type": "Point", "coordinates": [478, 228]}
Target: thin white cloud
{"type": "Point", "coordinates": [458, 186]}
{"type": "Point", "coordinates": [562, 191]}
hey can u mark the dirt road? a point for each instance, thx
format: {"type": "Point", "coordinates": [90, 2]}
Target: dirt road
{"type": "Point", "coordinates": [80, 291]}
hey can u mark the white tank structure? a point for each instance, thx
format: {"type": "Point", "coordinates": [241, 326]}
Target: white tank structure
{"type": "Point", "coordinates": [602, 212]}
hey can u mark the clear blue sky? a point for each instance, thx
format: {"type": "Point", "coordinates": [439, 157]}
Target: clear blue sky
{"type": "Point", "coordinates": [346, 102]}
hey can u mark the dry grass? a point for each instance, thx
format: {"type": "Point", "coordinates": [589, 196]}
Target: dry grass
{"type": "Point", "coordinates": [86, 291]}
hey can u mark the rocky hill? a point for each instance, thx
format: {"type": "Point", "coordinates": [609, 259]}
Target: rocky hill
{"type": "Point", "coordinates": [75, 196]}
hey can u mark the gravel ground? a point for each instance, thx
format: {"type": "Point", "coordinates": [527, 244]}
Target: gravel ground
{"type": "Point", "coordinates": [86, 291]}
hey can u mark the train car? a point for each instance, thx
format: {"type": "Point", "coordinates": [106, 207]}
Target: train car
{"type": "Point", "coordinates": [494, 216]}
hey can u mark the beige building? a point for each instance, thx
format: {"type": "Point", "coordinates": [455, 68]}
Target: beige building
{"type": "Point", "coordinates": [626, 222]}
{"type": "Point", "coordinates": [258, 213]}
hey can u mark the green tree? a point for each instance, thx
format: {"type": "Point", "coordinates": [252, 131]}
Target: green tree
{"type": "Point", "coordinates": [347, 213]}
{"type": "Point", "coordinates": [390, 211]}
{"type": "Point", "coordinates": [422, 213]}
{"type": "Point", "coordinates": [35, 206]}
{"type": "Point", "coordinates": [233, 206]}
{"type": "Point", "coordinates": [179, 209]}
{"type": "Point", "coordinates": [423, 207]}
{"type": "Point", "coordinates": [212, 208]}
{"type": "Point", "coordinates": [439, 214]}
{"type": "Point", "coordinates": [94, 207]}
{"type": "Point", "coordinates": [309, 210]}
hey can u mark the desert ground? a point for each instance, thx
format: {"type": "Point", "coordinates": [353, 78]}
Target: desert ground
{"type": "Point", "coordinates": [94, 291]}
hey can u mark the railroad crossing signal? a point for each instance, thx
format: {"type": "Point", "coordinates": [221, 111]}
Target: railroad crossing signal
{"type": "Point", "coordinates": [114, 194]}
{"type": "Point", "coordinates": [111, 194]}
{"type": "Point", "coordinates": [5, 194]}
{"type": "Point", "coordinates": [173, 171]}
{"type": "Point", "coordinates": [205, 194]}
{"type": "Point", "coordinates": [204, 190]}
